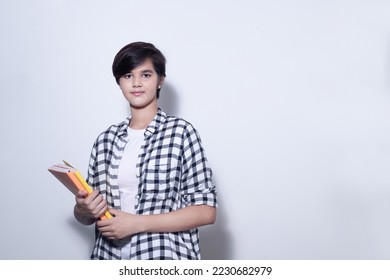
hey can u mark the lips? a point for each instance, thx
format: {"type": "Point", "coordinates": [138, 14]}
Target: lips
{"type": "Point", "coordinates": [137, 93]}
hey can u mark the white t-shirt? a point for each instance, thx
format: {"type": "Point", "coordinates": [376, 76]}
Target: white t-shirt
{"type": "Point", "coordinates": [127, 178]}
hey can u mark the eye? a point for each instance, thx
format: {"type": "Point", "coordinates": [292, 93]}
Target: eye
{"type": "Point", "coordinates": [127, 76]}
{"type": "Point", "coordinates": [147, 76]}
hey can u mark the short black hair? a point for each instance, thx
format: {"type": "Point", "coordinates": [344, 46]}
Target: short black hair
{"type": "Point", "coordinates": [133, 55]}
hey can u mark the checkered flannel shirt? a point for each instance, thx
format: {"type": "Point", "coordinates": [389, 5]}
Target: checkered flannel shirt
{"type": "Point", "coordinates": [173, 173]}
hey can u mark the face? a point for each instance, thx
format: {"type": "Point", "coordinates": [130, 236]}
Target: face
{"type": "Point", "coordinates": [140, 86]}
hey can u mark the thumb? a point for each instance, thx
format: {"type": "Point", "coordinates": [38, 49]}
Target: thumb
{"type": "Point", "coordinates": [82, 194]}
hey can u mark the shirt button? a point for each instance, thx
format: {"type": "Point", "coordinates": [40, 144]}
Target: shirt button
{"type": "Point", "coordinates": [137, 196]}
{"type": "Point", "coordinates": [137, 175]}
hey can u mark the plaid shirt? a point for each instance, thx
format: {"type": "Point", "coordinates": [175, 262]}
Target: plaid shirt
{"type": "Point", "coordinates": [173, 173]}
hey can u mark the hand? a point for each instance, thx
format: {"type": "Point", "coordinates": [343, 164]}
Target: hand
{"type": "Point", "coordinates": [90, 206]}
{"type": "Point", "coordinates": [123, 224]}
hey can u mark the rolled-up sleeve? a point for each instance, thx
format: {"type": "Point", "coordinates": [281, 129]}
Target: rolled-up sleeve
{"type": "Point", "coordinates": [197, 184]}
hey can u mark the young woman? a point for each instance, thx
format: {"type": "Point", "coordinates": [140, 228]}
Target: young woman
{"type": "Point", "coordinates": [149, 171]}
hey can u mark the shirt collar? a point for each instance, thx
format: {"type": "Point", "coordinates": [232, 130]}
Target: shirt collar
{"type": "Point", "coordinates": [158, 119]}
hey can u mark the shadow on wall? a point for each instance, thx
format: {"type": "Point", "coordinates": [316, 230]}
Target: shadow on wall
{"type": "Point", "coordinates": [169, 100]}
{"type": "Point", "coordinates": [215, 240]}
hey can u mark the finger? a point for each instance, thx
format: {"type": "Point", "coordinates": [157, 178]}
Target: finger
{"type": "Point", "coordinates": [93, 196]}
{"type": "Point", "coordinates": [103, 224]}
{"type": "Point", "coordinates": [114, 211]}
{"type": "Point", "coordinates": [109, 236]}
{"type": "Point", "coordinates": [94, 200]}
{"type": "Point", "coordinates": [108, 233]}
{"type": "Point", "coordinates": [80, 196]}
{"type": "Point", "coordinates": [101, 205]}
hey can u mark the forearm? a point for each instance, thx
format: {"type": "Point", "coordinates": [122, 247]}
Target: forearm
{"type": "Point", "coordinates": [180, 220]}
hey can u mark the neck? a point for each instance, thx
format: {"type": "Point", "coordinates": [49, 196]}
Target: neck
{"type": "Point", "coordinates": [141, 118]}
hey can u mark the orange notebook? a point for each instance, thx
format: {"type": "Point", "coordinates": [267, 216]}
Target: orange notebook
{"type": "Point", "coordinates": [72, 179]}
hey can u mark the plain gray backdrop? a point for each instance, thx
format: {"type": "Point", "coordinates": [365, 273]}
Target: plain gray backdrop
{"type": "Point", "coordinates": [291, 99]}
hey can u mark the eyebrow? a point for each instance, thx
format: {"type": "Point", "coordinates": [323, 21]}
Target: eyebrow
{"type": "Point", "coordinates": [146, 71]}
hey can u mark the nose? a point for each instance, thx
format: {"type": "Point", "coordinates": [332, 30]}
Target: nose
{"type": "Point", "coordinates": [137, 81]}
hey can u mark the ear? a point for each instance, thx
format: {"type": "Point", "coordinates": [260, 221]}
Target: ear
{"type": "Point", "coordinates": [161, 82]}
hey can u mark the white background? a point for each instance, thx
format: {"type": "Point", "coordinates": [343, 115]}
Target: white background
{"type": "Point", "coordinates": [291, 98]}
